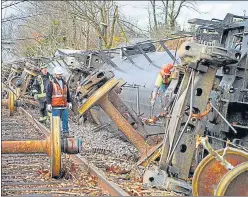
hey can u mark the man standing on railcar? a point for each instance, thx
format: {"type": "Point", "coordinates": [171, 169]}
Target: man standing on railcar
{"type": "Point", "coordinates": [59, 100]}
{"type": "Point", "coordinates": [162, 81]}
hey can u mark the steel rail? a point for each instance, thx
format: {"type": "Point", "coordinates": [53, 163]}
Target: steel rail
{"type": "Point", "coordinates": [109, 186]}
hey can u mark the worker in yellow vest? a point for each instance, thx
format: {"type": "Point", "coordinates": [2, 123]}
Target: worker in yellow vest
{"type": "Point", "coordinates": [162, 81]}
{"type": "Point", "coordinates": [39, 90]}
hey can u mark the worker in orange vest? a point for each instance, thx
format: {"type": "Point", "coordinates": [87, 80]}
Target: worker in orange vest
{"type": "Point", "coordinates": [58, 99]}
{"type": "Point", "coordinates": [162, 81]}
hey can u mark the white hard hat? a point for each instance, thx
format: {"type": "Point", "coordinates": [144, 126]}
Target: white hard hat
{"type": "Point", "coordinates": [58, 70]}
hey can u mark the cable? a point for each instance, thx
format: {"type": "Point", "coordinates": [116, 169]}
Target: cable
{"type": "Point", "coordinates": [237, 146]}
{"type": "Point", "coordinates": [186, 124]}
{"type": "Point", "coordinates": [223, 118]}
{"type": "Point", "coordinates": [190, 77]}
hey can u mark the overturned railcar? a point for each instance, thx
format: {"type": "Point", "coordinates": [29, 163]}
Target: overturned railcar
{"type": "Point", "coordinates": [139, 66]}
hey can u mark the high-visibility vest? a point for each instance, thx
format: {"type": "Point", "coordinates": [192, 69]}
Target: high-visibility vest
{"type": "Point", "coordinates": [59, 95]}
{"type": "Point", "coordinates": [42, 88]}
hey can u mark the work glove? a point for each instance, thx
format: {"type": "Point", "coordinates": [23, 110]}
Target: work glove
{"type": "Point", "coordinates": [152, 102]}
{"type": "Point", "coordinates": [69, 105]}
{"type": "Point", "coordinates": [49, 107]}
{"type": "Point", "coordinates": [36, 97]}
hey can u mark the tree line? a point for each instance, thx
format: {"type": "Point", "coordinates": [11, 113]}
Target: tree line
{"type": "Point", "coordinates": [41, 27]}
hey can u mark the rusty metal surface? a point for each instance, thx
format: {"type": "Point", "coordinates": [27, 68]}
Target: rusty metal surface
{"type": "Point", "coordinates": [107, 185]}
{"type": "Point", "coordinates": [209, 172]}
{"type": "Point", "coordinates": [136, 139]}
{"type": "Point", "coordinates": [115, 112]}
{"type": "Point", "coordinates": [131, 116]}
{"type": "Point", "coordinates": [109, 85]}
{"type": "Point", "coordinates": [94, 81]}
{"type": "Point", "coordinates": [103, 159]}
{"type": "Point", "coordinates": [235, 182]}
{"type": "Point", "coordinates": [183, 159]}
{"type": "Point", "coordinates": [146, 151]}
{"type": "Point", "coordinates": [55, 144]}
{"type": "Point", "coordinates": [11, 103]}
{"type": "Point", "coordinates": [28, 146]}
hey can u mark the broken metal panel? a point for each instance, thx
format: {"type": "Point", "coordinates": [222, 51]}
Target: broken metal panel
{"type": "Point", "coordinates": [227, 81]}
{"type": "Point", "coordinates": [94, 62]}
{"type": "Point", "coordinates": [184, 153]}
{"type": "Point", "coordinates": [146, 56]}
{"type": "Point", "coordinates": [135, 49]}
{"type": "Point", "coordinates": [109, 61]}
{"type": "Point", "coordinates": [129, 58]}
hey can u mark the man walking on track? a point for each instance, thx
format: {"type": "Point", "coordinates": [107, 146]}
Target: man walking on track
{"type": "Point", "coordinates": [59, 100]}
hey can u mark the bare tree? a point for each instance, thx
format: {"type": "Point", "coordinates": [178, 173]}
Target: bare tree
{"type": "Point", "coordinates": [170, 10]}
{"type": "Point", "coordinates": [166, 10]}
{"type": "Point", "coordinates": [49, 25]}
{"type": "Point", "coordinates": [154, 14]}
{"type": "Point", "coordinates": [175, 10]}
{"type": "Point", "coordinates": [97, 13]}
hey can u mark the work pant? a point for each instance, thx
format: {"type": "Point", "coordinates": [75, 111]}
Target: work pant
{"type": "Point", "coordinates": [163, 88]}
{"type": "Point", "coordinates": [43, 108]}
{"type": "Point", "coordinates": [63, 114]}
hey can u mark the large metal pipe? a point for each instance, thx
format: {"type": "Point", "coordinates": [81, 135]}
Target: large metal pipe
{"type": "Point", "coordinates": [136, 139]}
{"type": "Point", "coordinates": [30, 146]}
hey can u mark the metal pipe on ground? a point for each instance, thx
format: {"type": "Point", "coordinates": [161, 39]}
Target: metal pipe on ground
{"type": "Point", "coordinates": [30, 146]}
{"type": "Point", "coordinates": [109, 186]}
{"type": "Point", "coordinates": [52, 146]}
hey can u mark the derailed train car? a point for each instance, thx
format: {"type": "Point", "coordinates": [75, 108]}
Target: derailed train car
{"type": "Point", "coordinates": [211, 100]}
{"type": "Point", "coordinates": [139, 70]}
{"type": "Point", "coordinates": [138, 65]}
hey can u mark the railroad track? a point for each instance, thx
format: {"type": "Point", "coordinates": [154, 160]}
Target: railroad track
{"type": "Point", "coordinates": [117, 166]}
{"type": "Point", "coordinates": [30, 174]}
{"type": "Point", "coordinates": [115, 158]}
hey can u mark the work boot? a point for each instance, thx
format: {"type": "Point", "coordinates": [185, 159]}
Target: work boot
{"type": "Point", "coordinates": [43, 119]}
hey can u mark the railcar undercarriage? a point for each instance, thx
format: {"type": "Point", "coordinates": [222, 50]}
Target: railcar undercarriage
{"type": "Point", "coordinates": [200, 123]}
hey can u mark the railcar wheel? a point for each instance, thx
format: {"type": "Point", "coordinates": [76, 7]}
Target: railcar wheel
{"type": "Point", "coordinates": [11, 103]}
{"type": "Point", "coordinates": [209, 172]}
{"type": "Point", "coordinates": [235, 182]}
{"type": "Point", "coordinates": [55, 148]}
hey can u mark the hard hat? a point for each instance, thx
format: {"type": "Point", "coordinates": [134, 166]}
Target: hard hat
{"type": "Point", "coordinates": [58, 70]}
{"type": "Point", "coordinates": [43, 65]}
{"type": "Point", "coordinates": [166, 70]}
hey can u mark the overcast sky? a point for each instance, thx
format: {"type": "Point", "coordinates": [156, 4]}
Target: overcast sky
{"type": "Point", "coordinates": [210, 9]}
